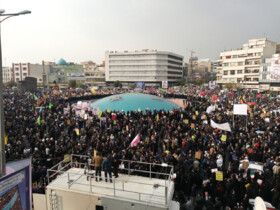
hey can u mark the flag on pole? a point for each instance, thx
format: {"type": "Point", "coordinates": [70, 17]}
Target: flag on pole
{"type": "Point", "coordinates": [135, 141]}
{"type": "Point", "coordinates": [39, 120]}
{"type": "Point", "coordinates": [99, 113]}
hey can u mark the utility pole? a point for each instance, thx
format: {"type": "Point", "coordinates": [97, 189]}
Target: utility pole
{"type": "Point", "coordinates": [44, 74]}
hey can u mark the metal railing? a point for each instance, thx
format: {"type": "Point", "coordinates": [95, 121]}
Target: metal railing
{"type": "Point", "coordinates": [166, 172]}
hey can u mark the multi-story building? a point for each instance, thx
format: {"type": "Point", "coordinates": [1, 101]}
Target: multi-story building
{"type": "Point", "coordinates": [38, 71]}
{"type": "Point", "coordinates": [20, 71]}
{"type": "Point", "coordinates": [94, 74]}
{"type": "Point", "coordinates": [148, 66]}
{"type": "Point", "coordinates": [278, 49]}
{"type": "Point", "coordinates": [243, 65]}
{"type": "Point", "coordinates": [7, 74]}
{"type": "Point", "coordinates": [269, 73]}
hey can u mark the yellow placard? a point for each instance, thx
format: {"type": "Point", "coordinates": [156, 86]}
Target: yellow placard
{"type": "Point", "coordinates": [66, 158]}
{"type": "Point", "coordinates": [224, 138]}
{"type": "Point", "coordinates": [186, 121]}
{"type": "Point", "coordinates": [196, 113]}
{"type": "Point", "coordinates": [94, 153]}
{"type": "Point", "coordinates": [109, 110]}
{"type": "Point", "coordinates": [77, 132]}
{"type": "Point", "coordinates": [157, 117]}
{"type": "Point", "coordinates": [219, 175]}
{"type": "Point", "coordinates": [182, 116]}
{"type": "Point", "coordinates": [6, 140]}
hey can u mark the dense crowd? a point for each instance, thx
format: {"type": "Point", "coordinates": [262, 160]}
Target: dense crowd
{"type": "Point", "coordinates": [172, 137]}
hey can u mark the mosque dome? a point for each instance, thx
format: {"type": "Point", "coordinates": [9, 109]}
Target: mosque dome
{"type": "Point", "coordinates": [133, 102]}
{"type": "Point", "coordinates": [62, 62]}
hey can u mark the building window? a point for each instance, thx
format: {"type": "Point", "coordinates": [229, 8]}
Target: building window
{"type": "Point", "coordinates": [225, 64]}
{"type": "Point", "coordinates": [255, 79]}
{"type": "Point", "coordinates": [239, 71]}
{"type": "Point", "coordinates": [240, 63]}
{"type": "Point", "coordinates": [24, 74]}
{"type": "Point", "coordinates": [264, 76]}
{"type": "Point", "coordinates": [17, 74]}
{"type": "Point", "coordinates": [225, 72]}
{"type": "Point", "coordinates": [17, 69]}
{"type": "Point", "coordinates": [228, 57]}
{"type": "Point", "coordinates": [232, 72]}
{"type": "Point", "coordinates": [24, 68]}
{"type": "Point", "coordinates": [17, 79]}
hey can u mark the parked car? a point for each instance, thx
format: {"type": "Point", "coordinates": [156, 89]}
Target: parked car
{"type": "Point", "coordinates": [253, 167]}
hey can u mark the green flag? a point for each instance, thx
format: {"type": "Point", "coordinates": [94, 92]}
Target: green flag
{"type": "Point", "coordinates": [39, 120]}
{"type": "Point", "coordinates": [50, 105]}
{"type": "Point", "coordinates": [99, 113]}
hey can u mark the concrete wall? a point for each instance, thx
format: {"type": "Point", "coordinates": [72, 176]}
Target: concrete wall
{"type": "Point", "coordinates": [73, 200]}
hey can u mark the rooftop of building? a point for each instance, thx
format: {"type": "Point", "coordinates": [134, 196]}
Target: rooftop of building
{"type": "Point", "coordinates": [145, 51]}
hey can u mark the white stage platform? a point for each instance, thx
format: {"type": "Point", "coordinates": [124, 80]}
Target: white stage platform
{"type": "Point", "coordinates": [129, 187]}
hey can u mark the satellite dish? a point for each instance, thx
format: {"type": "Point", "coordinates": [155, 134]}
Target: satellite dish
{"type": "Point", "coordinates": [259, 204]}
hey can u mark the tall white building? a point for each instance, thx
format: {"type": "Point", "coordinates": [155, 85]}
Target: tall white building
{"type": "Point", "coordinates": [149, 66]}
{"type": "Point", "coordinates": [243, 65]}
{"type": "Point", "coordinates": [7, 74]}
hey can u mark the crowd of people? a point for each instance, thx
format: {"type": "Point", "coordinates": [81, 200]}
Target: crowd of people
{"type": "Point", "coordinates": [183, 138]}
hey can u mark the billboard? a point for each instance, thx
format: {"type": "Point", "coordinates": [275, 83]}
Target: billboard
{"type": "Point", "coordinates": [275, 67]}
{"type": "Point", "coordinates": [140, 85]}
{"type": "Point", "coordinates": [15, 187]}
{"type": "Point", "coordinates": [164, 84]}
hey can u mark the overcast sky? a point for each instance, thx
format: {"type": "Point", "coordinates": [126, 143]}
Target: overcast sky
{"type": "Point", "coordinates": [80, 30]}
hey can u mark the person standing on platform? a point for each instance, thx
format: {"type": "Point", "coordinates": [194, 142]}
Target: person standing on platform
{"type": "Point", "coordinates": [107, 166]}
{"type": "Point", "coordinates": [97, 161]}
{"type": "Point", "coordinates": [115, 164]}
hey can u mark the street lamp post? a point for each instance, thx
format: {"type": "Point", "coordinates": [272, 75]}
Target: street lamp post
{"type": "Point", "coordinates": [2, 126]}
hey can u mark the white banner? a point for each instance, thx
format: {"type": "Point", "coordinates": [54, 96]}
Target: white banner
{"type": "Point", "coordinates": [210, 109]}
{"type": "Point", "coordinates": [275, 68]}
{"type": "Point", "coordinates": [212, 84]}
{"type": "Point", "coordinates": [240, 109]}
{"type": "Point", "coordinates": [164, 84]}
{"type": "Point", "coordinates": [223, 126]}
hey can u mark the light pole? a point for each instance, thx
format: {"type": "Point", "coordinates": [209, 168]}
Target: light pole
{"type": "Point", "coordinates": [2, 126]}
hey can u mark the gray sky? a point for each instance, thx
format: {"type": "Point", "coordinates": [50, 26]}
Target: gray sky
{"type": "Point", "coordinates": [79, 30]}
